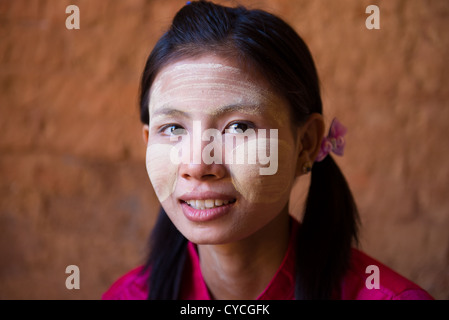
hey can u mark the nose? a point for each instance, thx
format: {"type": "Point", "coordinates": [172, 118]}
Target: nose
{"type": "Point", "coordinates": [202, 171]}
{"type": "Point", "coordinates": [198, 169]}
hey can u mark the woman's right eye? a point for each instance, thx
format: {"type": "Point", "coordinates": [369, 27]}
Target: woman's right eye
{"type": "Point", "coordinates": [173, 130]}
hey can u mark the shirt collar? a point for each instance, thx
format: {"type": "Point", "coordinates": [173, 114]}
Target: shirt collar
{"type": "Point", "coordinates": [281, 286]}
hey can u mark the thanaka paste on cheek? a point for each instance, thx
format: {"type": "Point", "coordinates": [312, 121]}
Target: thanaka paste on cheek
{"type": "Point", "coordinates": [258, 188]}
{"type": "Point", "coordinates": [162, 172]}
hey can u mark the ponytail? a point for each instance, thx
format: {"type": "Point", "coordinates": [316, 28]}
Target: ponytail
{"type": "Point", "coordinates": [165, 262]}
{"type": "Point", "coordinates": [329, 227]}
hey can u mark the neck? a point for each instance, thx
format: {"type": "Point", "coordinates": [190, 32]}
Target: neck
{"type": "Point", "coordinates": [243, 269]}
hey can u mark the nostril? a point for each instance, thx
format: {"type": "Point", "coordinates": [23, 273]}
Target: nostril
{"type": "Point", "coordinates": [202, 171]}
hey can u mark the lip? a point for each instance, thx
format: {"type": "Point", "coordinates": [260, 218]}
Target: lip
{"type": "Point", "coordinates": [197, 215]}
{"type": "Point", "coordinates": [208, 214]}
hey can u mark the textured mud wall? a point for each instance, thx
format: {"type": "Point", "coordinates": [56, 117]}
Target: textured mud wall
{"type": "Point", "coordinates": [73, 185]}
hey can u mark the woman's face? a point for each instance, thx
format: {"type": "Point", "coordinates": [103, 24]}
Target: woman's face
{"type": "Point", "coordinates": [221, 154]}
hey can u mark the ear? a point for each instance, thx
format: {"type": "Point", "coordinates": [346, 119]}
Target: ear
{"type": "Point", "coordinates": [145, 133]}
{"type": "Point", "coordinates": [310, 136]}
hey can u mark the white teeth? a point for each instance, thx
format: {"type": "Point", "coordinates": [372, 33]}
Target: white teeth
{"type": "Point", "coordinates": [200, 204]}
{"type": "Point", "coordinates": [207, 204]}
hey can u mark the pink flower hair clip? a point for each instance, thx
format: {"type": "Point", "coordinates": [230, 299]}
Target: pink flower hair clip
{"type": "Point", "coordinates": [334, 142]}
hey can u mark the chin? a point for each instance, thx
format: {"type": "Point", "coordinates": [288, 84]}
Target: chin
{"type": "Point", "coordinates": [216, 233]}
{"type": "Point", "coordinates": [208, 236]}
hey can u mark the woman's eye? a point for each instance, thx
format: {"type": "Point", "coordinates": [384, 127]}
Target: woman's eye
{"type": "Point", "coordinates": [173, 130]}
{"type": "Point", "coordinates": [238, 127]}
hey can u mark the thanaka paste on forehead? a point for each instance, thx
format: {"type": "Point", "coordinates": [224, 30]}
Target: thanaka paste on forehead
{"type": "Point", "coordinates": [173, 71]}
{"type": "Point", "coordinates": [241, 90]}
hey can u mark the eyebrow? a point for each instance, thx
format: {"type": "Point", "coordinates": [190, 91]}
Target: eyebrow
{"type": "Point", "coordinates": [172, 112]}
{"type": "Point", "coordinates": [248, 109]}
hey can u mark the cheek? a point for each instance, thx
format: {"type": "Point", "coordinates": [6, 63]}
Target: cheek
{"type": "Point", "coordinates": [162, 171]}
{"type": "Point", "coordinates": [255, 187]}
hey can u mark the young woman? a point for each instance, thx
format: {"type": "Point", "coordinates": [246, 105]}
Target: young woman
{"type": "Point", "coordinates": [232, 116]}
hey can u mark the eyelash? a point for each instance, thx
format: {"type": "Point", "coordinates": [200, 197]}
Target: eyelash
{"type": "Point", "coordinates": [249, 125]}
{"type": "Point", "coordinates": [163, 128]}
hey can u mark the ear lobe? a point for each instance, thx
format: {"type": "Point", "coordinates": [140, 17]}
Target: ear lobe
{"type": "Point", "coordinates": [311, 135]}
{"type": "Point", "coordinates": [145, 133]}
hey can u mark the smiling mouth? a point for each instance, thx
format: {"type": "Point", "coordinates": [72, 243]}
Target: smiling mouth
{"type": "Point", "coordinates": [208, 204]}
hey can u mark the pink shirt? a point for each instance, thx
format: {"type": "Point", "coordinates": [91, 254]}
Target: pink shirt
{"type": "Point", "coordinates": [392, 286]}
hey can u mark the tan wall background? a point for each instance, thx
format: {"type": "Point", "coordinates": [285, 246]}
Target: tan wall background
{"type": "Point", "coordinates": [73, 185]}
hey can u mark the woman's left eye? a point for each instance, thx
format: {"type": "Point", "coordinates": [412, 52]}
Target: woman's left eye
{"type": "Point", "coordinates": [239, 127]}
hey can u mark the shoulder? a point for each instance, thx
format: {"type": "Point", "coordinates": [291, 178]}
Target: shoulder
{"type": "Point", "coordinates": [131, 286]}
{"type": "Point", "coordinates": [369, 279]}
